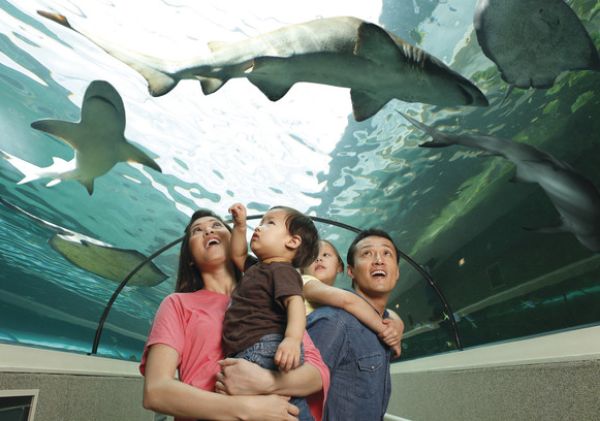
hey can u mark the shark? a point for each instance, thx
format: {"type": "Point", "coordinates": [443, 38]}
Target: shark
{"type": "Point", "coordinates": [533, 41]}
{"type": "Point", "coordinates": [96, 256]}
{"type": "Point", "coordinates": [574, 196]}
{"type": "Point", "coordinates": [98, 139]}
{"type": "Point", "coordinates": [376, 65]}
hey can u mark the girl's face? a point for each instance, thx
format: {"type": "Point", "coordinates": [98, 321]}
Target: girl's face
{"type": "Point", "coordinates": [209, 242]}
{"type": "Point", "coordinates": [326, 267]}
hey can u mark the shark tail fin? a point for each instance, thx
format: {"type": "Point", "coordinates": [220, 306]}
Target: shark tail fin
{"type": "Point", "coordinates": [365, 105]}
{"type": "Point", "coordinates": [439, 139]}
{"type": "Point", "coordinates": [211, 85]}
{"type": "Point", "coordinates": [130, 153]}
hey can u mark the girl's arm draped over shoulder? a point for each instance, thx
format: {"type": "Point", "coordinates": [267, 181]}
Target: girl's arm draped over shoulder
{"type": "Point", "coordinates": [316, 291]}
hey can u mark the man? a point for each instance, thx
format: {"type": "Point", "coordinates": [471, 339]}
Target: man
{"type": "Point", "coordinates": [358, 361]}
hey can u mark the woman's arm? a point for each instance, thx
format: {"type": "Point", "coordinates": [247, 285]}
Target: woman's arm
{"type": "Point", "coordinates": [163, 393]}
{"type": "Point", "coordinates": [241, 377]}
{"type": "Point", "coordinates": [316, 291]}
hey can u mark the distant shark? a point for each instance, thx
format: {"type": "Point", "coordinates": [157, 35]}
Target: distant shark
{"type": "Point", "coordinates": [376, 65]}
{"type": "Point", "coordinates": [533, 41]}
{"type": "Point", "coordinates": [96, 256]}
{"type": "Point", "coordinates": [98, 139]}
{"type": "Point", "coordinates": [575, 198]}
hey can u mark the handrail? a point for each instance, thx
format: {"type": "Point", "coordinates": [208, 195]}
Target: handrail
{"type": "Point", "coordinates": [418, 267]}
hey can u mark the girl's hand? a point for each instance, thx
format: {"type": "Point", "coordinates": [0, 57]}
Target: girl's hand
{"type": "Point", "coordinates": [392, 335]}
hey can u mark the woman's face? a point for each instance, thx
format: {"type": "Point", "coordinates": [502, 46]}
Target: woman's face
{"type": "Point", "coordinates": [326, 267]}
{"type": "Point", "coordinates": [209, 242]}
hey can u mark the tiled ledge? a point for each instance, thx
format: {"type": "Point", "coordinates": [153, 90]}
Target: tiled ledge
{"type": "Point", "coordinates": [571, 345]}
{"type": "Point", "coordinates": [33, 360]}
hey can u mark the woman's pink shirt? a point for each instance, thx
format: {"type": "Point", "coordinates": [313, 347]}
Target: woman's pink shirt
{"type": "Point", "coordinates": [192, 324]}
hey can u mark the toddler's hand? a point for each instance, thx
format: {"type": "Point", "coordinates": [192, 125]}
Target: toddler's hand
{"type": "Point", "coordinates": [238, 213]}
{"type": "Point", "coordinates": [287, 356]}
{"type": "Point", "coordinates": [392, 335]}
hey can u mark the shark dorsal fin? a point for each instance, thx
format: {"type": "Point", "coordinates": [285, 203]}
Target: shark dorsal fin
{"type": "Point", "coordinates": [89, 185]}
{"type": "Point", "coordinates": [375, 44]}
{"type": "Point", "coordinates": [364, 105]}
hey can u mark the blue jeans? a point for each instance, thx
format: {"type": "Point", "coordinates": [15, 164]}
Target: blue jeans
{"type": "Point", "coordinates": [262, 353]}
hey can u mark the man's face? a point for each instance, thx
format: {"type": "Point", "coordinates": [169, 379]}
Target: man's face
{"type": "Point", "coordinates": [375, 271]}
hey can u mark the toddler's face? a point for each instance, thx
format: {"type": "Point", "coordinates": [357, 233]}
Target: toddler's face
{"type": "Point", "coordinates": [326, 267]}
{"type": "Point", "coordinates": [270, 236]}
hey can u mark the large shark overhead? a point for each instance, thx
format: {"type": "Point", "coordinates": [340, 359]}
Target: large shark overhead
{"type": "Point", "coordinates": [342, 51]}
{"type": "Point", "coordinates": [575, 198]}
{"type": "Point", "coordinates": [99, 138]}
{"type": "Point", "coordinates": [533, 41]}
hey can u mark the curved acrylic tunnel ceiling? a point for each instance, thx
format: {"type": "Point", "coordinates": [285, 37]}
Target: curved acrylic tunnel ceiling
{"type": "Point", "coordinates": [457, 210]}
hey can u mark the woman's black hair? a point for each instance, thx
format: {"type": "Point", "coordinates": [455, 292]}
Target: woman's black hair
{"type": "Point", "coordinates": [189, 277]}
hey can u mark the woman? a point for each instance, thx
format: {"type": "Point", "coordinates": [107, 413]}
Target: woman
{"type": "Point", "coordinates": [186, 338]}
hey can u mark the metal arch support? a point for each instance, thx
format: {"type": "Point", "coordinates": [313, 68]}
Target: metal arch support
{"type": "Point", "coordinates": [161, 250]}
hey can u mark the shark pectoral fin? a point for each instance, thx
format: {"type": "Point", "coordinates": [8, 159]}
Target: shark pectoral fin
{"type": "Point", "coordinates": [433, 144]}
{"type": "Point", "coordinates": [375, 44]}
{"type": "Point", "coordinates": [364, 105]}
{"type": "Point", "coordinates": [61, 129]}
{"type": "Point", "coordinates": [263, 73]}
{"type": "Point", "coordinates": [130, 153]}
{"type": "Point", "coordinates": [210, 85]}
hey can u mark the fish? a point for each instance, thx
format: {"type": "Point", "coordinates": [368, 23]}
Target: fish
{"type": "Point", "coordinates": [575, 197]}
{"type": "Point", "coordinates": [98, 138]}
{"type": "Point", "coordinates": [533, 41]}
{"type": "Point", "coordinates": [96, 256]}
{"type": "Point", "coordinates": [348, 52]}
{"type": "Point", "coordinates": [104, 260]}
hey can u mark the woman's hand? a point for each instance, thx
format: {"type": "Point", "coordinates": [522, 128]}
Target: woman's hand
{"type": "Point", "coordinates": [392, 335]}
{"type": "Point", "coordinates": [269, 408]}
{"type": "Point", "coordinates": [241, 377]}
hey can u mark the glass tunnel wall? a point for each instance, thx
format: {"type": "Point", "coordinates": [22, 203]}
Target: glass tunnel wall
{"type": "Point", "coordinates": [490, 241]}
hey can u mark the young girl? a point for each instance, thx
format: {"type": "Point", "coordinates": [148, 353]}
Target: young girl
{"type": "Point", "coordinates": [319, 278]}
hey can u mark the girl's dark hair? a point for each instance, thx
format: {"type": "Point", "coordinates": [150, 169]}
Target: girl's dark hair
{"type": "Point", "coordinates": [299, 224]}
{"type": "Point", "coordinates": [189, 277]}
{"type": "Point", "coordinates": [337, 253]}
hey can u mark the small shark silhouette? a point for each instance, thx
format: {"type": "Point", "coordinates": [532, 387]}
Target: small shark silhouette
{"type": "Point", "coordinates": [575, 198]}
{"type": "Point", "coordinates": [98, 139]}
{"type": "Point", "coordinates": [533, 41]}
{"type": "Point", "coordinates": [341, 51]}
{"type": "Point", "coordinates": [96, 256]}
